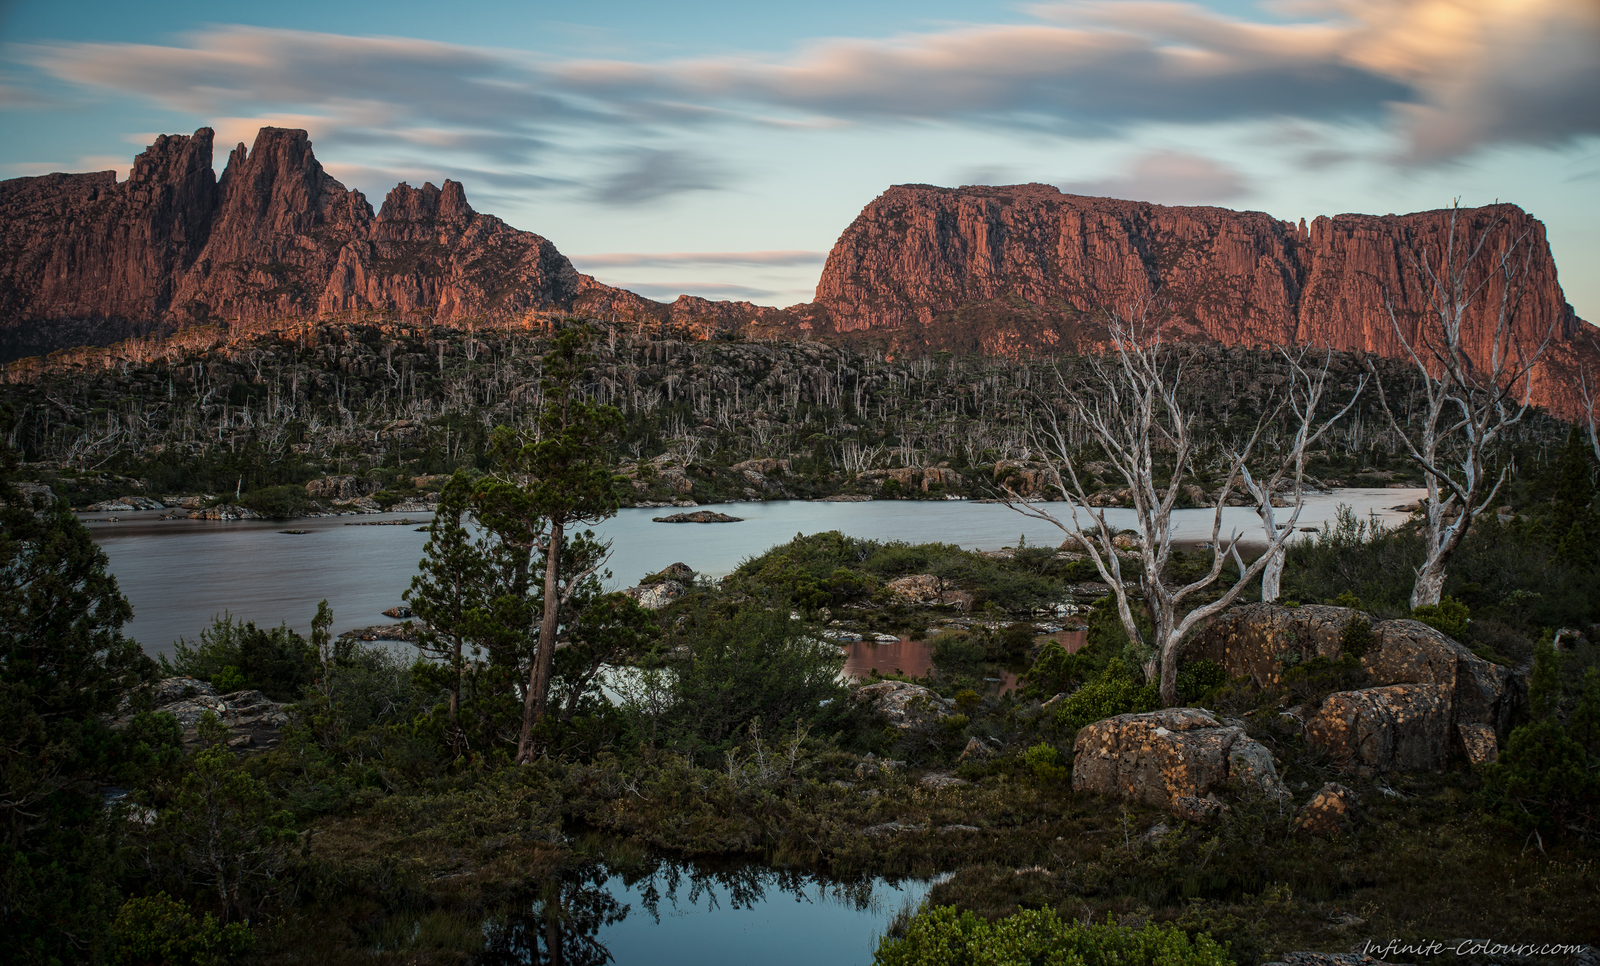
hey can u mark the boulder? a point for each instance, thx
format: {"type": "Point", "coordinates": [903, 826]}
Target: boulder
{"type": "Point", "coordinates": [168, 690]}
{"type": "Point", "coordinates": [1330, 810]}
{"type": "Point", "coordinates": [657, 595]}
{"type": "Point", "coordinates": [1479, 743]}
{"type": "Point", "coordinates": [677, 571]}
{"type": "Point", "coordinates": [872, 766]}
{"type": "Point", "coordinates": [976, 750]}
{"type": "Point", "coordinates": [340, 488]}
{"type": "Point", "coordinates": [1253, 639]}
{"type": "Point", "coordinates": [1402, 727]}
{"type": "Point", "coordinates": [1193, 808]}
{"type": "Point", "coordinates": [928, 591]}
{"type": "Point", "coordinates": [1411, 652]}
{"type": "Point", "coordinates": [906, 705]}
{"type": "Point", "coordinates": [1161, 757]}
{"type": "Point", "coordinates": [227, 511]}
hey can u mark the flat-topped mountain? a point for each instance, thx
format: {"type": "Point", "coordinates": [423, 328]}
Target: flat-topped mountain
{"type": "Point", "coordinates": [1026, 268]}
{"type": "Point", "coordinates": [1002, 270]}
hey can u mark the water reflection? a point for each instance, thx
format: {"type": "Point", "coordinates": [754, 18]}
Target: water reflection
{"type": "Point", "coordinates": [915, 658]}
{"type": "Point", "coordinates": [560, 927]}
{"type": "Point", "coordinates": [668, 911]}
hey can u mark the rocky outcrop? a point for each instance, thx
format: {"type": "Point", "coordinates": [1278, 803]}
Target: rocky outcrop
{"type": "Point", "coordinates": [663, 587]}
{"type": "Point", "coordinates": [86, 259]}
{"type": "Point", "coordinates": [1410, 652]}
{"type": "Point", "coordinates": [253, 718]}
{"type": "Point", "coordinates": [906, 706]}
{"type": "Point", "coordinates": [1025, 268]}
{"type": "Point", "coordinates": [1402, 727]}
{"type": "Point", "coordinates": [1253, 640]}
{"type": "Point", "coordinates": [1330, 811]}
{"type": "Point", "coordinates": [927, 590]}
{"type": "Point", "coordinates": [698, 516]}
{"type": "Point", "coordinates": [1259, 641]}
{"type": "Point", "coordinates": [1479, 743]}
{"type": "Point", "coordinates": [1178, 759]}
{"type": "Point", "coordinates": [340, 487]}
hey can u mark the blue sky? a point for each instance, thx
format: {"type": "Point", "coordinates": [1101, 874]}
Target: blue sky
{"type": "Point", "coordinates": [719, 148]}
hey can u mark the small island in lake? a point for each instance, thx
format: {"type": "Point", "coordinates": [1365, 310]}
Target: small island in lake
{"type": "Point", "coordinates": [698, 516]}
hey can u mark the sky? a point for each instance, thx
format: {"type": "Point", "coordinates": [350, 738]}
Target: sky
{"type": "Point", "coordinates": [719, 148]}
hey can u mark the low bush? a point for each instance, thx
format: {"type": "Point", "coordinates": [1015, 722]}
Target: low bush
{"type": "Point", "coordinates": [944, 936]}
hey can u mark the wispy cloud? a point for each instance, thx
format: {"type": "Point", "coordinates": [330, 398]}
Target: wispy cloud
{"type": "Point", "coordinates": [667, 291]}
{"type": "Point", "coordinates": [674, 259]}
{"type": "Point", "coordinates": [1443, 76]}
{"type": "Point", "coordinates": [649, 174]}
{"type": "Point", "coordinates": [1169, 177]}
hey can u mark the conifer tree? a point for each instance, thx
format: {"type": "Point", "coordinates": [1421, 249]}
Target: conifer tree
{"type": "Point", "coordinates": [545, 482]}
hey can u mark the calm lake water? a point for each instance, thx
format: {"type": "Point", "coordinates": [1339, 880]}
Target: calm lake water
{"type": "Point", "coordinates": [180, 573]}
{"type": "Point", "coordinates": [676, 913]}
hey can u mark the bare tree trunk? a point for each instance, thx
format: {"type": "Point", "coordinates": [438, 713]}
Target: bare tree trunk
{"type": "Point", "coordinates": [1136, 414]}
{"type": "Point", "coordinates": [537, 697]}
{"type": "Point", "coordinates": [1272, 576]}
{"type": "Point", "coordinates": [1470, 402]}
{"type": "Point", "coordinates": [1430, 584]}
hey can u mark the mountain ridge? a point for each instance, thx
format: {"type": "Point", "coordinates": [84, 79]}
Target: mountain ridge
{"type": "Point", "coordinates": [993, 269]}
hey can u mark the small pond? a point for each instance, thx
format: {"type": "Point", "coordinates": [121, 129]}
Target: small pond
{"type": "Point", "coordinates": [668, 912]}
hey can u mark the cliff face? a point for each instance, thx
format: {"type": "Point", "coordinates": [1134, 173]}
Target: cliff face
{"type": "Point", "coordinates": [86, 259]}
{"type": "Point", "coordinates": [1027, 268]}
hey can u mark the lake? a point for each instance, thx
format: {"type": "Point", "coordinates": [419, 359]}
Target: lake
{"type": "Point", "coordinates": [180, 573]}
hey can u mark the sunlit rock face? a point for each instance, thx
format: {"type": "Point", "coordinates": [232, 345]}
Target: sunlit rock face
{"type": "Point", "coordinates": [88, 259]}
{"type": "Point", "coordinates": [1025, 268]}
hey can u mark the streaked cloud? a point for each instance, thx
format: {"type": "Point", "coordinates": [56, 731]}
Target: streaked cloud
{"type": "Point", "coordinates": [667, 291]}
{"type": "Point", "coordinates": [1170, 178]}
{"type": "Point", "coordinates": [674, 259]}
{"type": "Point", "coordinates": [649, 174]}
{"type": "Point", "coordinates": [1444, 76]}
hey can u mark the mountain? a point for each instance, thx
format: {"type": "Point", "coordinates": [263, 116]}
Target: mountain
{"type": "Point", "coordinates": [85, 259]}
{"type": "Point", "coordinates": [1026, 268]}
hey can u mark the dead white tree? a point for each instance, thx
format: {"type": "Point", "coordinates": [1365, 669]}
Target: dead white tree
{"type": "Point", "coordinates": [1286, 481]}
{"type": "Point", "coordinates": [1133, 407]}
{"type": "Point", "coordinates": [1469, 403]}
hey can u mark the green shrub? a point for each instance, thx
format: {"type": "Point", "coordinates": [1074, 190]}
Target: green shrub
{"type": "Point", "coordinates": [1356, 639]}
{"type": "Point", "coordinates": [1114, 692]}
{"type": "Point", "coordinates": [1198, 680]}
{"type": "Point", "coordinates": [944, 936]}
{"type": "Point", "coordinates": [277, 502]}
{"type": "Point", "coordinates": [161, 931]}
{"type": "Point", "coordinates": [1544, 780]}
{"type": "Point", "coordinates": [232, 655]}
{"type": "Point", "coordinates": [958, 654]}
{"type": "Point", "coordinates": [1045, 762]}
{"type": "Point", "coordinates": [1449, 616]}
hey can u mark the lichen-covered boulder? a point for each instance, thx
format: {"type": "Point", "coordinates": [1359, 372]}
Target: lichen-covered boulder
{"type": "Point", "coordinates": [1330, 811]}
{"type": "Point", "coordinates": [657, 595]}
{"type": "Point", "coordinates": [1252, 640]}
{"type": "Point", "coordinates": [1259, 641]}
{"type": "Point", "coordinates": [1479, 742]}
{"type": "Point", "coordinates": [928, 591]}
{"type": "Point", "coordinates": [1160, 757]}
{"type": "Point", "coordinates": [1411, 652]}
{"type": "Point", "coordinates": [1402, 727]}
{"type": "Point", "coordinates": [905, 705]}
